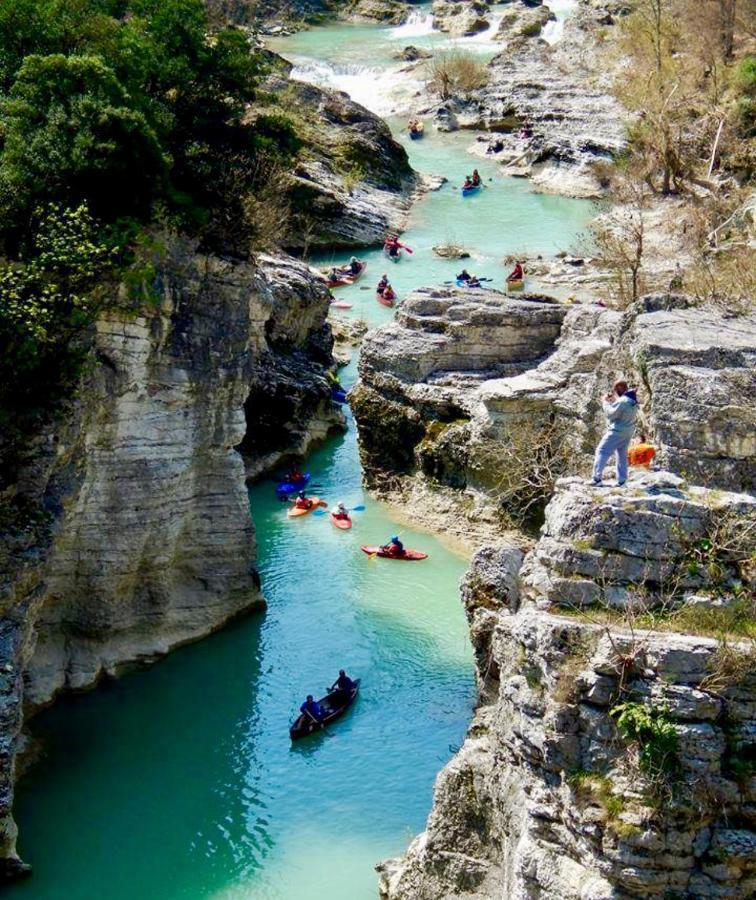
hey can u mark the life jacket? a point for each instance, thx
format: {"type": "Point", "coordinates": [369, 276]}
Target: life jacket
{"type": "Point", "coordinates": [303, 503]}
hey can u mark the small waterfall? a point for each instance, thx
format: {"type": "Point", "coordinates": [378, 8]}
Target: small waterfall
{"type": "Point", "coordinates": [371, 86]}
{"type": "Point", "coordinates": [562, 9]}
{"type": "Point", "coordinates": [418, 23]}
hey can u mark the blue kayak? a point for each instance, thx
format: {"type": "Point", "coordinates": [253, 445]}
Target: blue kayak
{"type": "Point", "coordinates": [290, 487]}
{"type": "Point", "coordinates": [466, 191]}
{"type": "Point", "coordinates": [338, 395]}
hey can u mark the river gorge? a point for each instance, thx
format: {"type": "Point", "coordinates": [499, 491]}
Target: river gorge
{"type": "Point", "coordinates": [482, 758]}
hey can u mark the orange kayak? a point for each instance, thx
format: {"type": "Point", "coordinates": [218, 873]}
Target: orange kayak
{"type": "Point", "coordinates": [343, 524]}
{"type": "Point", "coordinates": [294, 512]}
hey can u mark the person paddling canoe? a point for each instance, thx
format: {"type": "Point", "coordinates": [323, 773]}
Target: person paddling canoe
{"type": "Point", "coordinates": [312, 708]}
{"type": "Point", "coordinates": [342, 686]}
{"type": "Point", "coordinates": [476, 180]}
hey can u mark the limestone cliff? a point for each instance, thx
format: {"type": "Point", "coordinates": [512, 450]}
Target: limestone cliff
{"type": "Point", "coordinates": [557, 792]}
{"type": "Point", "coordinates": [148, 541]}
{"type": "Point", "coordinates": [465, 383]}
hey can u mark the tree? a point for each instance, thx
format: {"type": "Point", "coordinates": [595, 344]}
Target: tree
{"type": "Point", "coordinates": [71, 134]}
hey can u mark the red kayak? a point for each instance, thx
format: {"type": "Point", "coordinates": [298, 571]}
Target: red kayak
{"type": "Point", "coordinates": [343, 524]}
{"type": "Point", "coordinates": [408, 554]}
{"type": "Point", "coordinates": [386, 302]}
{"type": "Point", "coordinates": [345, 279]}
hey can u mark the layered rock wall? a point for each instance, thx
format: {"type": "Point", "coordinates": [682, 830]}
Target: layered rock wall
{"type": "Point", "coordinates": [150, 542]}
{"type": "Point", "coordinates": [550, 795]}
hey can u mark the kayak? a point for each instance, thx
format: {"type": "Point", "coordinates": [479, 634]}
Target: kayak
{"type": "Point", "coordinates": [462, 283]}
{"type": "Point", "coordinates": [295, 512]}
{"type": "Point", "coordinates": [343, 524]}
{"type": "Point", "coordinates": [344, 280]}
{"type": "Point", "coordinates": [408, 555]}
{"type": "Point", "coordinates": [340, 304]}
{"type": "Point", "coordinates": [394, 257]}
{"type": "Point", "coordinates": [335, 704]}
{"type": "Point", "coordinates": [291, 487]}
{"type": "Point", "coordinates": [466, 191]}
{"type": "Point", "coordinates": [381, 299]}
{"type": "Point", "coordinates": [516, 285]}
{"type": "Point", "coordinates": [338, 395]}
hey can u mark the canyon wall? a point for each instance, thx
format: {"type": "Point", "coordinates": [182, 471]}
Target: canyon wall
{"type": "Point", "coordinates": [556, 790]}
{"type": "Point", "coordinates": [147, 539]}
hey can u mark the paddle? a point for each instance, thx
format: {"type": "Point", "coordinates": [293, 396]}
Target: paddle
{"type": "Point", "coordinates": [319, 724]}
{"type": "Point", "coordinates": [322, 512]}
{"type": "Point", "coordinates": [480, 280]}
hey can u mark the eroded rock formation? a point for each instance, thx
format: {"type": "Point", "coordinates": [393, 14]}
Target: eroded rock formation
{"type": "Point", "coordinates": [148, 541]}
{"type": "Point", "coordinates": [553, 794]}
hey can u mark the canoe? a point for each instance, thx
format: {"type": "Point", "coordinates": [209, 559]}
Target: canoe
{"type": "Point", "coordinates": [344, 280]}
{"type": "Point", "coordinates": [516, 285]}
{"type": "Point", "coordinates": [291, 487]}
{"type": "Point", "coordinates": [295, 513]}
{"type": "Point", "coordinates": [338, 395]}
{"type": "Point", "coordinates": [408, 555]}
{"type": "Point", "coordinates": [343, 524]}
{"type": "Point", "coordinates": [462, 283]}
{"type": "Point", "coordinates": [416, 135]}
{"type": "Point", "coordinates": [334, 704]}
{"type": "Point", "coordinates": [466, 191]}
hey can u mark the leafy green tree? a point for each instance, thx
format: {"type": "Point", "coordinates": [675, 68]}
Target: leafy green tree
{"type": "Point", "coordinates": [70, 134]}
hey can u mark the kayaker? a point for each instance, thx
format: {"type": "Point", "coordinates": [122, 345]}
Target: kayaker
{"type": "Point", "coordinates": [467, 184]}
{"type": "Point", "coordinates": [394, 547]}
{"type": "Point", "coordinates": [343, 684]}
{"type": "Point", "coordinates": [473, 281]}
{"type": "Point", "coordinates": [312, 708]}
{"type": "Point", "coordinates": [303, 501]}
{"type": "Point", "coordinates": [388, 293]}
{"type": "Point", "coordinates": [464, 275]}
{"type": "Point", "coordinates": [383, 283]}
{"type": "Point", "coordinates": [340, 511]}
{"type": "Point", "coordinates": [475, 178]}
{"type": "Point", "coordinates": [355, 266]}
{"type": "Point", "coordinates": [334, 274]}
{"type": "Point", "coordinates": [620, 408]}
{"type": "Point", "coordinates": [517, 274]}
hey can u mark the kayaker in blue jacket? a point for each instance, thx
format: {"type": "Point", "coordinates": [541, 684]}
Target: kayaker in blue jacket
{"type": "Point", "coordinates": [395, 547]}
{"type": "Point", "coordinates": [312, 708]}
{"type": "Point", "coordinates": [621, 408]}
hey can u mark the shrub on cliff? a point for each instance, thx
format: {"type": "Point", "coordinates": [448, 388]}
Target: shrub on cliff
{"type": "Point", "coordinates": [46, 303]}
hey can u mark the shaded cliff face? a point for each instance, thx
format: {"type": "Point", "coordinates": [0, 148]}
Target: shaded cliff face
{"type": "Point", "coordinates": [550, 795]}
{"type": "Point", "coordinates": [150, 542]}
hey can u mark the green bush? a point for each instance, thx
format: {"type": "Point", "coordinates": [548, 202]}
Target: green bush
{"type": "Point", "coordinates": [45, 305]}
{"type": "Point", "coordinates": [652, 729]}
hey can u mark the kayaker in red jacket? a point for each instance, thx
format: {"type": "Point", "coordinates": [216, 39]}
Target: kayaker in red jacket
{"type": "Point", "coordinates": [303, 501]}
{"type": "Point", "coordinates": [516, 274]}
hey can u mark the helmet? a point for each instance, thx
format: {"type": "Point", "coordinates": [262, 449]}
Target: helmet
{"type": "Point", "coordinates": [340, 503]}
{"type": "Point", "coordinates": [302, 495]}
{"type": "Point", "coordinates": [353, 259]}
{"type": "Point", "coordinates": [394, 538]}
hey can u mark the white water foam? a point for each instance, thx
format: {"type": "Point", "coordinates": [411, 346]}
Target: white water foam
{"type": "Point", "coordinates": [418, 23]}
{"type": "Point", "coordinates": [377, 89]}
{"type": "Point", "coordinates": [562, 9]}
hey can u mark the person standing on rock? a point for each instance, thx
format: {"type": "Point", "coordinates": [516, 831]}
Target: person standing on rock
{"type": "Point", "coordinates": [620, 409]}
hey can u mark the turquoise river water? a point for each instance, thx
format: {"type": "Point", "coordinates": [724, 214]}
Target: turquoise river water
{"type": "Point", "coordinates": [180, 781]}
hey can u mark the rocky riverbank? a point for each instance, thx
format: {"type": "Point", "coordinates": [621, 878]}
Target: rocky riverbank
{"type": "Point", "coordinates": [555, 792]}
{"type": "Point", "coordinates": [142, 538]}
